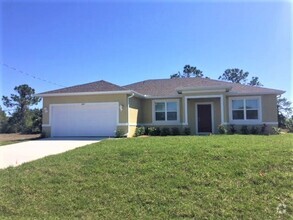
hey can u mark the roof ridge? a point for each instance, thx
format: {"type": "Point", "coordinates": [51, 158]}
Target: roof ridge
{"type": "Point", "coordinates": [148, 80]}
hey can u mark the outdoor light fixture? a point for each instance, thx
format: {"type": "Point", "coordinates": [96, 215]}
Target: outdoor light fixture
{"type": "Point", "coordinates": [45, 110]}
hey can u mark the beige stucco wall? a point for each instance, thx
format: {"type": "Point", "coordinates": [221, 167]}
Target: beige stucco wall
{"type": "Point", "coordinates": [135, 110]}
{"type": "Point", "coordinates": [140, 110]}
{"type": "Point", "coordinates": [135, 115]}
{"type": "Point", "coordinates": [46, 130]}
{"type": "Point", "coordinates": [146, 105]}
{"type": "Point", "coordinates": [269, 114]}
{"type": "Point", "coordinates": [269, 108]}
{"type": "Point", "coordinates": [147, 109]}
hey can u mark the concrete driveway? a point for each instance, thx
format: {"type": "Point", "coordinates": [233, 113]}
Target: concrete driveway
{"type": "Point", "coordinates": [16, 154]}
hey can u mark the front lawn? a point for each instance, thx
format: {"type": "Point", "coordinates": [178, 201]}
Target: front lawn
{"type": "Point", "coordinates": [191, 177]}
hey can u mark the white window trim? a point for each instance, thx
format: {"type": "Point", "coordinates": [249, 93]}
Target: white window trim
{"type": "Point", "coordinates": [166, 122]}
{"type": "Point", "coordinates": [245, 121]}
{"type": "Point", "coordinates": [196, 116]}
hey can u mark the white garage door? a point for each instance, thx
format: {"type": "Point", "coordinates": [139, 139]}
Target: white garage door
{"type": "Point", "coordinates": [92, 119]}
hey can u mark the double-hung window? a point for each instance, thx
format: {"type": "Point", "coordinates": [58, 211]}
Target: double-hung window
{"type": "Point", "coordinates": [245, 109]}
{"type": "Point", "coordinates": [165, 111]}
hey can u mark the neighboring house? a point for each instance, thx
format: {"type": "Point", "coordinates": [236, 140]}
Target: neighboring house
{"type": "Point", "coordinates": [100, 108]}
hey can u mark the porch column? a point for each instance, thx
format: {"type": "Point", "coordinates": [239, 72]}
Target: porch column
{"type": "Point", "coordinates": [222, 108]}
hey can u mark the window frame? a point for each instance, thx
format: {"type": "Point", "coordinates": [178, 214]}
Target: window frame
{"type": "Point", "coordinates": [166, 121]}
{"type": "Point", "coordinates": [245, 120]}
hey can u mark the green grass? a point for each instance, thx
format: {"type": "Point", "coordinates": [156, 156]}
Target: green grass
{"type": "Point", "coordinates": [2, 143]}
{"type": "Point", "coordinates": [192, 177]}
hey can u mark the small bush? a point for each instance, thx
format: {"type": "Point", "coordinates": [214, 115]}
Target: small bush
{"type": "Point", "coordinates": [222, 129]}
{"type": "Point", "coordinates": [289, 124]}
{"type": "Point", "coordinates": [232, 129]}
{"type": "Point", "coordinates": [254, 130]}
{"type": "Point", "coordinates": [119, 133]}
{"type": "Point", "coordinates": [146, 131]}
{"type": "Point", "coordinates": [154, 131]}
{"type": "Point", "coordinates": [140, 131]}
{"type": "Point", "coordinates": [276, 130]}
{"type": "Point", "coordinates": [263, 129]}
{"type": "Point", "coordinates": [158, 131]}
{"type": "Point", "coordinates": [175, 131]}
{"type": "Point", "coordinates": [244, 130]}
{"type": "Point", "coordinates": [187, 131]}
{"type": "Point", "coordinates": [165, 132]}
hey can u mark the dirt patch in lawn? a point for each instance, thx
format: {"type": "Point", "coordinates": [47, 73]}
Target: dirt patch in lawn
{"type": "Point", "coordinates": [18, 137]}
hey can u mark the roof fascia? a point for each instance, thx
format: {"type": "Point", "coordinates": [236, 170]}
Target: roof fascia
{"type": "Point", "coordinates": [163, 97]}
{"type": "Point", "coordinates": [86, 93]}
{"type": "Point", "coordinates": [255, 93]}
{"type": "Point", "coordinates": [204, 91]}
{"type": "Point", "coordinates": [201, 89]}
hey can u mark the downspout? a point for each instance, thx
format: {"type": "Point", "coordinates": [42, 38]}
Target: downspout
{"type": "Point", "coordinates": [128, 126]}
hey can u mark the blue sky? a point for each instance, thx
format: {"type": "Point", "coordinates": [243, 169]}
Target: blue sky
{"type": "Point", "coordinates": [75, 42]}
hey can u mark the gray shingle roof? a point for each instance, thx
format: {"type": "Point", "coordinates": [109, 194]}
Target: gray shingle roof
{"type": "Point", "coordinates": [164, 87]}
{"type": "Point", "coordinates": [168, 87]}
{"type": "Point", "coordinates": [98, 86]}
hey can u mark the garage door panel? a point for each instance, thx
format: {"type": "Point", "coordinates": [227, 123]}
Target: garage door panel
{"type": "Point", "coordinates": [99, 119]}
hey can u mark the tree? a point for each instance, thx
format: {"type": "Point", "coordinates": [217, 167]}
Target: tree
{"type": "Point", "coordinates": [21, 102]}
{"type": "Point", "coordinates": [36, 118]}
{"type": "Point", "coordinates": [234, 75]}
{"type": "Point", "coordinates": [176, 75]}
{"type": "Point", "coordinates": [188, 71]}
{"type": "Point", "coordinates": [284, 111]}
{"type": "Point", "coordinates": [3, 120]}
{"type": "Point", "coordinates": [191, 71]}
{"type": "Point", "coordinates": [239, 76]}
{"type": "Point", "coordinates": [254, 82]}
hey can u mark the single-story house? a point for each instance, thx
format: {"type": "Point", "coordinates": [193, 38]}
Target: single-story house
{"type": "Point", "coordinates": [101, 108]}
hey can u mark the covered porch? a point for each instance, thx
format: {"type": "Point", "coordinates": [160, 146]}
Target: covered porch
{"type": "Point", "coordinates": [203, 114]}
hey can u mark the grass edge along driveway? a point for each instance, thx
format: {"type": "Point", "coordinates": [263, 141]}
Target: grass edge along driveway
{"type": "Point", "coordinates": [185, 177]}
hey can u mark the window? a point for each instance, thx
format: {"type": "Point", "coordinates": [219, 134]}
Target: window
{"type": "Point", "coordinates": [166, 111]}
{"type": "Point", "coordinates": [160, 111]}
{"type": "Point", "coordinates": [245, 109]}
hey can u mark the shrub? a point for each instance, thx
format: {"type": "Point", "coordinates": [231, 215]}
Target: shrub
{"type": "Point", "coordinates": [263, 129]}
{"type": "Point", "coordinates": [140, 131]}
{"type": "Point", "coordinates": [165, 132]}
{"type": "Point", "coordinates": [187, 131]}
{"type": "Point", "coordinates": [154, 131]}
{"type": "Point", "coordinates": [222, 129]}
{"type": "Point", "coordinates": [119, 133]}
{"type": "Point", "coordinates": [276, 130]}
{"type": "Point", "coordinates": [232, 129]}
{"type": "Point", "coordinates": [244, 130]}
{"type": "Point", "coordinates": [254, 130]}
{"type": "Point", "coordinates": [146, 131]}
{"type": "Point", "coordinates": [289, 124]}
{"type": "Point", "coordinates": [175, 131]}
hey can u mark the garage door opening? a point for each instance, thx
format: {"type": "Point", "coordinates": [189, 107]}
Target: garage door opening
{"type": "Point", "coordinates": [84, 119]}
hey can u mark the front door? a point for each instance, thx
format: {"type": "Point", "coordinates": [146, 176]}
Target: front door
{"type": "Point", "coordinates": [204, 118]}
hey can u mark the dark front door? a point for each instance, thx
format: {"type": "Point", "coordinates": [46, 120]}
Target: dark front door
{"type": "Point", "coordinates": [204, 118]}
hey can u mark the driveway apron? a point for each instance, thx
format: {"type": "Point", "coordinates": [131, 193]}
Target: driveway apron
{"type": "Point", "coordinates": [16, 154]}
